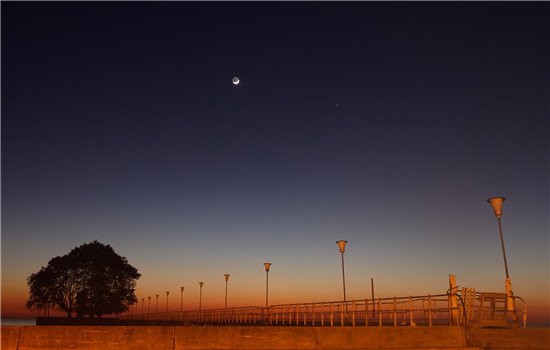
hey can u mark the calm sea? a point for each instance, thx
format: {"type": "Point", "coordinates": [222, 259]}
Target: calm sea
{"type": "Point", "coordinates": [18, 322]}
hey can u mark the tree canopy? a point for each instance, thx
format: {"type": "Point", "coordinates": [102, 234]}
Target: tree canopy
{"type": "Point", "coordinates": [90, 280]}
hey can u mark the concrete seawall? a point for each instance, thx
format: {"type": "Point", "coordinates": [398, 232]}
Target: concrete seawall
{"type": "Point", "coordinates": [264, 338]}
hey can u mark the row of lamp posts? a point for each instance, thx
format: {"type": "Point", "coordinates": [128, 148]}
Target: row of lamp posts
{"type": "Point", "coordinates": [496, 203]}
{"type": "Point", "coordinates": [226, 277]}
{"type": "Point", "coordinates": [181, 298]}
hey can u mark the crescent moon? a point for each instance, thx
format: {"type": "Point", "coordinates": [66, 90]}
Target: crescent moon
{"type": "Point", "coordinates": [236, 80]}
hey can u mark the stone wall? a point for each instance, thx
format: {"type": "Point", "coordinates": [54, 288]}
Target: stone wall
{"type": "Point", "coordinates": [515, 338]}
{"type": "Point", "coordinates": [264, 338]}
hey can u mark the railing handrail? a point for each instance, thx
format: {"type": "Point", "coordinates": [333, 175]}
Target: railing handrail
{"type": "Point", "coordinates": [335, 302]}
{"type": "Point", "coordinates": [429, 309]}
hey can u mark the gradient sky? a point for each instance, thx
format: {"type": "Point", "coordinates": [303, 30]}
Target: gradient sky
{"type": "Point", "coordinates": [385, 124]}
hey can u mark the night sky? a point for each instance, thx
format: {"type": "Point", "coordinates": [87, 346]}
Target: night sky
{"type": "Point", "coordinates": [385, 124]}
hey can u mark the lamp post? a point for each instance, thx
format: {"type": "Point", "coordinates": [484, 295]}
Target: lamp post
{"type": "Point", "coordinates": [157, 305]}
{"type": "Point", "coordinates": [226, 276]}
{"type": "Point", "coordinates": [148, 305]}
{"type": "Point", "coordinates": [200, 301]}
{"type": "Point", "coordinates": [496, 203]}
{"type": "Point", "coordinates": [267, 267]}
{"type": "Point", "coordinates": [142, 305]}
{"type": "Point", "coordinates": [137, 306]}
{"type": "Point", "coordinates": [342, 245]}
{"type": "Point", "coordinates": [181, 299]}
{"type": "Point", "coordinates": [167, 293]}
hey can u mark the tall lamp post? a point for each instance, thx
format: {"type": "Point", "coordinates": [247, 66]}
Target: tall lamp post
{"type": "Point", "coordinates": [181, 299]}
{"type": "Point", "coordinates": [167, 293]}
{"type": "Point", "coordinates": [200, 300]}
{"type": "Point", "coordinates": [148, 305]}
{"type": "Point", "coordinates": [157, 305]}
{"type": "Point", "coordinates": [342, 245]}
{"type": "Point", "coordinates": [496, 203]}
{"type": "Point", "coordinates": [267, 267]}
{"type": "Point", "coordinates": [142, 305]}
{"type": "Point", "coordinates": [226, 276]}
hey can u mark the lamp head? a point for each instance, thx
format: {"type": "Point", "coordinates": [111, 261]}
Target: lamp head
{"type": "Point", "coordinates": [226, 276]}
{"type": "Point", "coordinates": [167, 292]}
{"type": "Point", "coordinates": [200, 284]}
{"type": "Point", "coordinates": [342, 245]}
{"type": "Point", "coordinates": [182, 288]}
{"type": "Point", "coordinates": [496, 203]}
{"type": "Point", "coordinates": [267, 266]}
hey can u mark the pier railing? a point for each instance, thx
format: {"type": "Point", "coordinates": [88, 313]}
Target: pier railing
{"type": "Point", "coordinates": [425, 310]}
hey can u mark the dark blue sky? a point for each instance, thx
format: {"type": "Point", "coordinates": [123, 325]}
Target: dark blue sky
{"type": "Point", "coordinates": [387, 124]}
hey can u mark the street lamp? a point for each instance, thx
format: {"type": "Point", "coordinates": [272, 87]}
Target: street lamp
{"type": "Point", "coordinates": [157, 304]}
{"type": "Point", "coordinates": [167, 293]}
{"type": "Point", "coordinates": [200, 300]}
{"type": "Point", "coordinates": [148, 305]}
{"type": "Point", "coordinates": [181, 300]}
{"type": "Point", "coordinates": [342, 245]}
{"type": "Point", "coordinates": [267, 266]}
{"type": "Point", "coordinates": [226, 276]}
{"type": "Point", "coordinates": [496, 203]}
{"type": "Point", "coordinates": [142, 304]}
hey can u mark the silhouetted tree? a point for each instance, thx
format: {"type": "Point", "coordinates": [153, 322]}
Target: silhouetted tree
{"type": "Point", "coordinates": [41, 287]}
{"type": "Point", "coordinates": [55, 285]}
{"type": "Point", "coordinates": [91, 280]}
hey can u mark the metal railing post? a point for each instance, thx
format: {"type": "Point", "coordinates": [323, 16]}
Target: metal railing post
{"type": "Point", "coordinates": [404, 320]}
{"type": "Point", "coordinates": [429, 310]}
{"type": "Point", "coordinates": [450, 310]}
{"type": "Point", "coordinates": [411, 311]}
{"type": "Point", "coordinates": [379, 312]}
{"type": "Point", "coordinates": [342, 314]}
{"type": "Point", "coordinates": [424, 309]}
{"type": "Point", "coordinates": [367, 312]}
{"type": "Point", "coordinates": [353, 306]}
{"type": "Point", "coordinates": [394, 312]}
